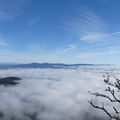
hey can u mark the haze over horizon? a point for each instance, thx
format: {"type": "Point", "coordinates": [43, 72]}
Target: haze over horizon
{"type": "Point", "coordinates": [64, 31]}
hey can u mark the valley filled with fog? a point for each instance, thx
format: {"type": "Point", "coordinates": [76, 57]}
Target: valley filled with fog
{"type": "Point", "coordinates": [53, 94]}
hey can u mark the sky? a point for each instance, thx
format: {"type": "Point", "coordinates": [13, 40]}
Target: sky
{"type": "Point", "coordinates": [60, 31]}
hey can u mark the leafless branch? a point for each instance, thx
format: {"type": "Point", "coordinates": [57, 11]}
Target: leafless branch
{"type": "Point", "coordinates": [112, 88]}
{"type": "Point", "coordinates": [112, 91]}
{"type": "Point", "coordinates": [104, 96]}
{"type": "Point", "coordinates": [101, 108]}
{"type": "Point", "coordinates": [115, 110]}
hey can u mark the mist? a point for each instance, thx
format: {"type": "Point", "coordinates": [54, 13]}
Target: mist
{"type": "Point", "coordinates": [51, 94]}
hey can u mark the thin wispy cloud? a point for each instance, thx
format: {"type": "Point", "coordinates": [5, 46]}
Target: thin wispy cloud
{"type": "Point", "coordinates": [101, 37]}
{"type": "Point", "coordinates": [104, 1]}
{"type": "Point", "coordinates": [96, 54]}
{"type": "Point", "coordinates": [33, 21]}
{"type": "Point", "coordinates": [9, 9]}
{"type": "Point", "coordinates": [67, 48]}
{"type": "Point", "coordinates": [92, 32]}
{"type": "Point", "coordinates": [34, 47]}
{"type": "Point", "coordinates": [84, 21]}
{"type": "Point", "coordinates": [35, 34]}
{"type": "Point", "coordinates": [93, 37]}
{"type": "Point", "coordinates": [34, 52]}
{"type": "Point", "coordinates": [3, 42]}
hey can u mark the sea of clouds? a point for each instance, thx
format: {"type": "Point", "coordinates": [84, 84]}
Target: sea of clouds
{"type": "Point", "coordinates": [52, 94]}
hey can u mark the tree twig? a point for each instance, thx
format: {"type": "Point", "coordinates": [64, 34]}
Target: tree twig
{"type": "Point", "coordinates": [101, 108]}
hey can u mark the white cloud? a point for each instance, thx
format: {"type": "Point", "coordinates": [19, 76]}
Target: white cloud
{"type": "Point", "coordinates": [83, 21]}
{"type": "Point", "coordinates": [96, 54]}
{"type": "Point", "coordinates": [93, 37]}
{"type": "Point", "coordinates": [105, 37]}
{"type": "Point", "coordinates": [51, 94]}
{"type": "Point", "coordinates": [68, 48]}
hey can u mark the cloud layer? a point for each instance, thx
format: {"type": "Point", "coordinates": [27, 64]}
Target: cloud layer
{"type": "Point", "coordinates": [50, 94]}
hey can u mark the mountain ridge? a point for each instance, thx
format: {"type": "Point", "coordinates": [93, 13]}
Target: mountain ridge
{"type": "Point", "coordinates": [47, 65]}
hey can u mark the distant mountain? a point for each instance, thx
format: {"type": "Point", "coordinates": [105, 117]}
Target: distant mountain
{"type": "Point", "coordinates": [42, 65]}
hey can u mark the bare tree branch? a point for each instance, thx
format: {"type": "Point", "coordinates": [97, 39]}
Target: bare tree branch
{"type": "Point", "coordinates": [104, 96]}
{"type": "Point", "coordinates": [112, 93]}
{"type": "Point", "coordinates": [101, 108]}
{"type": "Point", "coordinates": [115, 110]}
{"type": "Point", "coordinates": [113, 87]}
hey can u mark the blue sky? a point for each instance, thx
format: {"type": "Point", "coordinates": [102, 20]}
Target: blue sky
{"type": "Point", "coordinates": [60, 31]}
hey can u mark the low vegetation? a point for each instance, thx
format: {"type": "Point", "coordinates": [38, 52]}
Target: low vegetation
{"type": "Point", "coordinates": [9, 81]}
